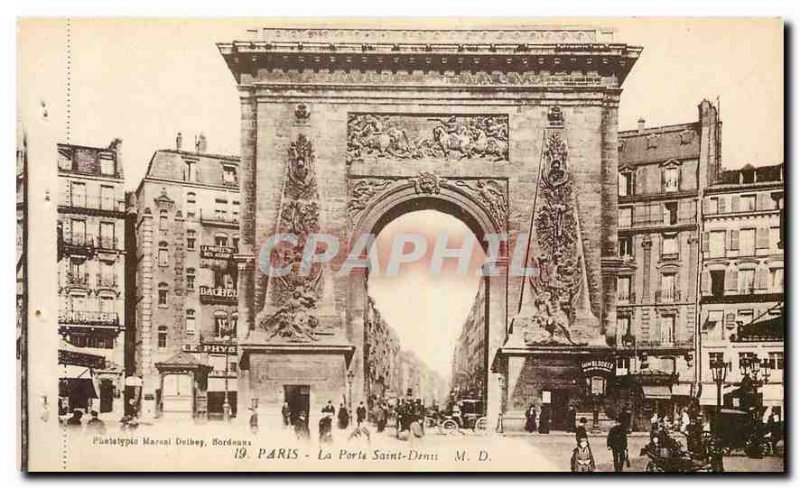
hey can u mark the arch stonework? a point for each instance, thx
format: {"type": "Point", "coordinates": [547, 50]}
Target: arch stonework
{"type": "Point", "coordinates": [518, 136]}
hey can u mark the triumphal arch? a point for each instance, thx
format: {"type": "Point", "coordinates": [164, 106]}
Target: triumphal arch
{"type": "Point", "coordinates": [513, 131]}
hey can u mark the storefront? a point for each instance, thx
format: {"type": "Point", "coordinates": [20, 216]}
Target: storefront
{"type": "Point", "coordinates": [77, 385]}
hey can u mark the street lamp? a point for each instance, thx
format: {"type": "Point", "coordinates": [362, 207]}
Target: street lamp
{"type": "Point", "coordinates": [719, 371]}
{"type": "Point", "coordinates": [226, 406]}
{"type": "Point", "coordinates": [350, 375]}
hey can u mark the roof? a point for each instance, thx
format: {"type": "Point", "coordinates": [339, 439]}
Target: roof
{"type": "Point", "coordinates": [182, 360]}
{"type": "Point", "coordinates": [169, 164]}
{"type": "Point", "coordinates": [749, 174]}
{"type": "Point", "coordinates": [86, 160]}
{"type": "Point", "coordinates": [659, 144]}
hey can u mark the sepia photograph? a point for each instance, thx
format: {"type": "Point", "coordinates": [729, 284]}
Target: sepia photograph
{"type": "Point", "coordinates": [549, 245]}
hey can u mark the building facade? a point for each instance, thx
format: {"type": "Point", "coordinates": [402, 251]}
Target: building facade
{"type": "Point", "coordinates": [92, 258]}
{"type": "Point", "coordinates": [742, 292]}
{"type": "Point", "coordinates": [662, 172]}
{"type": "Point", "coordinates": [469, 356]}
{"type": "Point", "coordinates": [187, 234]}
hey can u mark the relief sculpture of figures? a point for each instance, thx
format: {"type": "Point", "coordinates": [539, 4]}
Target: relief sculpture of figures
{"type": "Point", "coordinates": [409, 137]}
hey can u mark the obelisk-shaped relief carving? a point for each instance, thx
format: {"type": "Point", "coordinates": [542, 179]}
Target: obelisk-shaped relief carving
{"type": "Point", "coordinates": [290, 311]}
{"type": "Point", "coordinates": [554, 307]}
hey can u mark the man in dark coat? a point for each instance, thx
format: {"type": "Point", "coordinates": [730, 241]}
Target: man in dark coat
{"type": "Point", "coordinates": [343, 416]}
{"type": "Point", "coordinates": [618, 444]}
{"type": "Point", "coordinates": [361, 413]}
{"type": "Point", "coordinates": [571, 417]}
{"type": "Point", "coordinates": [544, 420]}
{"type": "Point", "coordinates": [530, 419]}
{"type": "Point", "coordinates": [580, 431]}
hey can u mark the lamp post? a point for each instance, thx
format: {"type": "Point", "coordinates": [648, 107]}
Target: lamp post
{"type": "Point", "coordinates": [226, 406]}
{"type": "Point", "coordinates": [753, 377]}
{"type": "Point", "coordinates": [350, 375]}
{"type": "Point", "coordinates": [719, 371]}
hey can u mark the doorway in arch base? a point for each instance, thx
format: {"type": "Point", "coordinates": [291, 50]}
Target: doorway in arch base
{"type": "Point", "coordinates": [523, 144]}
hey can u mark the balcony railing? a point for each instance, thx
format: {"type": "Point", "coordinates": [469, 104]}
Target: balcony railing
{"type": "Point", "coordinates": [107, 281]}
{"type": "Point", "coordinates": [215, 217]}
{"type": "Point", "coordinates": [88, 203]}
{"type": "Point", "coordinates": [106, 242]}
{"type": "Point", "coordinates": [88, 317]}
{"type": "Point", "coordinates": [79, 240]}
{"type": "Point", "coordinates": [659, 343]}
{"type": "Point", "coordinates": [626, 297]}
{"type": "Point", "coordinates": [668, 296]}
{"type": "Point", "coordinates": [91, 241]}
{"type": "Point", "coordinates": [77, 279]}
{"type": "Point", "coordinates": [209, 294]}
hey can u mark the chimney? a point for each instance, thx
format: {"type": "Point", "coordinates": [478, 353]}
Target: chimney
{"type": "Point", "coordinates": [200, 143]}
{"type": "Point", "coordinates": [178, 141]}
{"type": "Point", "coordinates": [641, 125]}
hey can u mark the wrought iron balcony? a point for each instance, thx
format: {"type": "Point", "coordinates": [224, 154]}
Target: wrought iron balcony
{"type": "Point", "coordinates": [85, 317]}
{"type": "Point", "coordinates": [225, 219]}
{"type": "Point", "coordinates": [107, 243]}
{"type": "Point", "coordinates": [77, 203]}
{"type": "Point", "coordinates": [626, 297]}
{"type": "Point", "coordinates": [105, 281]}
{"type": "Point", "coordinates": [77, 278]}
{"type": "Point", "coordinates": [666, 344]}
{"type": "Point", "coordinates": [668, 296]}
{"type": "Point", "coordinates": [220, 295]}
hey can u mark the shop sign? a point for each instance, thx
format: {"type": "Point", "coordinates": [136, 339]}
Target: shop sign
{"type": "Point", "coordinates": [597, 366]}
{"type": "Point", "coordinates": [81, 359]}
{"type": "Point", "coordinates": [209, 349]}
{"type": "Point", "coordinates": [216, 252]}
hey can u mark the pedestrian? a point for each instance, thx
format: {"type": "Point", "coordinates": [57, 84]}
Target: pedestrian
{"type": "Point", "coordinates": [95, 425]}
{"type": "Point", "coordinates": [301, 427]}
{"type": "Point", "coordinates": [572, 414]}
{"type": "Point", "coordinates": [582, 458]}
{"type": "Point", "coordinates": [253, 420]}
{"type": "Point", "coordinates": [380, 417]}
{"type": "Point", "coordinates": [74, 422]}
{"type": "Point", "coordinates": [625, 418]}
{"type": "Point", "coordinates": [286, 414]}
{"type": "Point", "coordinates": [654, 422]}
{"type": "Point", "coordinates": [685, 421]}
{"type": "Point", "coordinates": [544, 420]}
{"type": "Point", "coordinates": [329, 409]}
{"type": "Point", "coordinates": [361, 413]}
{"type": "Point", "coordinates": [343, 416]}
{"type": "Point", "coordinates": [617, 442]}
{"type": "Point", "coordinates": [530, 419]}
{"type": "Point", "coordinates": [325, 428]}
{"type": "Point", "coordinates": [775, 427]}
{"type": "Point", "coordinates": [580, 431]}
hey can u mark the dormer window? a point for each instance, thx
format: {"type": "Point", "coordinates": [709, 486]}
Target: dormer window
{"type": "Point", "coordinates": [670, 176]}
{"type": "Point", "coordinates": [626, 183]}
{"type": "Point", "coordinates": [189, 171]}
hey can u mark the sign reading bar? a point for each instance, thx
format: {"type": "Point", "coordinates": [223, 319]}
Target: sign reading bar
{"type": "Point", "coordinates": [216, 252]}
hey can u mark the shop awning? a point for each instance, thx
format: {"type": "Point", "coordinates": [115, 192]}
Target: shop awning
{"type": "Point", "coordinates": [682, 389]}
{"type": "Point", "coordinates": [656, 392]}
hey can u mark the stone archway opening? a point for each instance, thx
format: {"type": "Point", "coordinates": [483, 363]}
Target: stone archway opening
{"type": "Point", "coordinates": [426, 325]}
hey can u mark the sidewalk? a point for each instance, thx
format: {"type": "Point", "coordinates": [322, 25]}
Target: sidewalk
{"type": "Point", "coordinates": [562, 433]}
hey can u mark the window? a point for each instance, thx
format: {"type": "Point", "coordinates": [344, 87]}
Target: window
{"type": "Point", "coordinates": [747, 203]}
{"type": "Point", "coordinates": [235, 240]}
{"type": "Point", "coordinates": [776, 279]}
{"type": "Point", "coordinates": [746, 357]}
{"type": "Point", "coordinates": [163, 221]}
{"type": "Point", "coordinates": [79, 232]}
{"type": "Point", "coordinates": [671, 179]}
{"type": "Point", "coordinates": [163, 254]}
{"type": "Point", "coordinates": [78, 194]}
{"type": "Point", "coordinates": [714, 357]}
{"type": "Point", "coordinates": [106, 166]}
{"type": "Point", "coordinates": [623, 363]}
{"type": "Point", "coordinates": [106, 304]}
{"type": "Point", "coordinates": [626, 247]}
{"type": "Point", "coordinates": [624, 288]}
{"type": "Point", "coordinates": [713, 206]}
{"type": "Point", "coordinates": [670, 213]}
{"type": "Point", "coordinates": [625, 184]}
{"type": "Point", "coordinates": [221, 209]}
{"type": "Point", "coordinates": [189, 173]}
{"type": "Point", "coordinates": [107, 197]}
{"type": "Point", "coordinates": [235, 210]}
{"type": "Point", "coordinates": [775, 360]}
{"type": "Point", "coordinates": [717, 282]}
{"type": "Point", "coordinates": [625, 216]}
{"type": "Point", "coordinates": [221, 326]}
{"type": "Point", "coordinates": [667, 327]}
{"type": "Point", "coordinates": [774, 237]}
{"type": "Point", "coordinates": [624, 324]}
{"type": "Point", "coordinates": [668, 291]}
{"type": "Point", "coordinates": [716, 244]}
{"type": "Point", "coordinates": [747, 242]}
{"type": "Point", "coordinates": [106, 235]}
{"type": "Point", "coordinates": [107, 277]}
{"type": "Point", "coordinates": [747, 281]}
{"type": "Point", "coordinates": [190, 321]}
{"type": "Point", "coordinates": [162, 336]}
{"type": "Point", "coordinates": [191, 205]}
{"type": "Point", "coordinates": [229, 175]}
{"type": "Point", "coordinates": [191, 239]}
{"type": "Point", "coordinates": [669, 246]}
{"type": "Point", "coordinates": [221, 240]}
{"type": "Point", "coordinates": [190, 276]}
{"type": "Point", "coordinates": [163, 291]}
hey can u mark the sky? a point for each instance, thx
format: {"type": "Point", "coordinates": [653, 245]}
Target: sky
{"type": "Point", "coordinates": [146, 80]}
